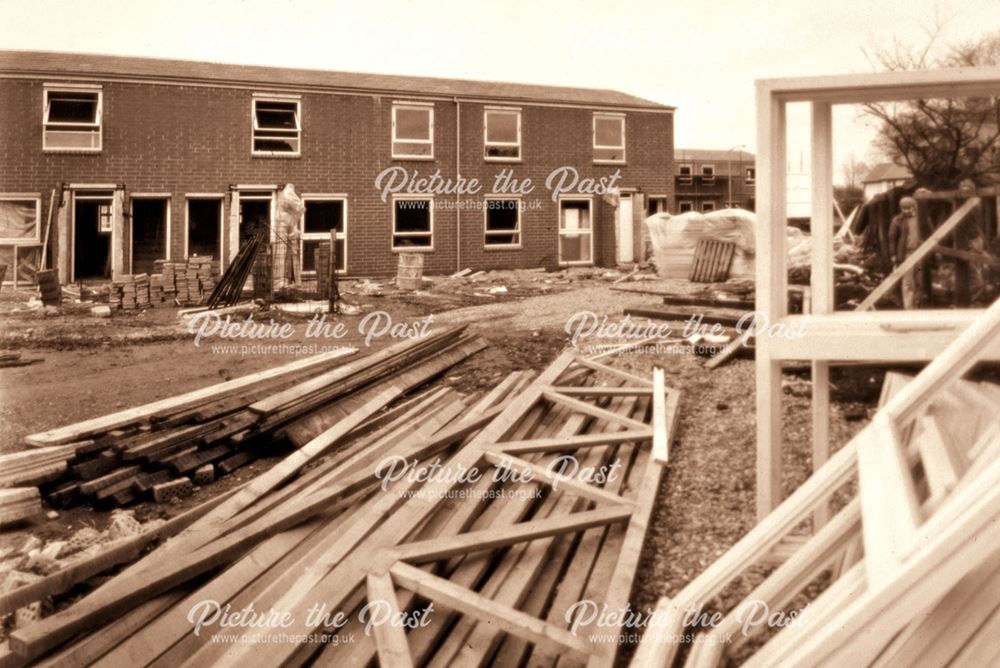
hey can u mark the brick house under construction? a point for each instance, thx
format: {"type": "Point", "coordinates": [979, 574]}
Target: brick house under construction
{"type": "Point", "coordinates": [151, 159]}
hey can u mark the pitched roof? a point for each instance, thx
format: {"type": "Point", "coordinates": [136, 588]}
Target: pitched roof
{"type": "Point", "coordinates": [44, 63]}
{"type": "Point", "coordinates": [711, 155]}
{"type": "Point", "coordinates": [887, 171]}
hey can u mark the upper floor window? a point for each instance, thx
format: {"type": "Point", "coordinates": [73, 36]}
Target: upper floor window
{"type": "Point", "coordinates": [751, 174]}
{"type": "Point", "coordinates": [685, 173]}
{"type": "Point", "coordinates": [502, 133]}
{"type": "Point", "coordinates": [609, 138]}
{"type": "Point", "coordinates": [708, 173]}
{"type": "Point", "coordinates": [72, 120]}
{"type": "Point", "coordinates": [413, 131]}
{"type": "Point", "coordinates": [277, 128]}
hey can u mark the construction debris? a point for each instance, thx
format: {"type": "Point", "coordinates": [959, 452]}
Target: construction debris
{"type": "Point", "coordinates": [493, 562]}
{"type": "Point", "coordinates": [914, 541]}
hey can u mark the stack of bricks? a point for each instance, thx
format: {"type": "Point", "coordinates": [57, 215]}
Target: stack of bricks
{"type": "Point", "coordinates": [141, 290]}
{"type": "Point", "coordinates": [156, 289]}
{"type": "Point", "coordinates": [187, 282]}
{"type": "Point", "coordinates": [201, 269]}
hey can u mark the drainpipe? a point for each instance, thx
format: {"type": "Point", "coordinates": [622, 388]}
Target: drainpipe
{"type": "Point", "coordinates": [458, 177]}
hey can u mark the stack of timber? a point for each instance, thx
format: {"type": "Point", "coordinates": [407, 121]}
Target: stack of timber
{"type": "Point", "coordinates": [483, 568]}
{"type": "Point", "coordinates": [18, 504]}
{"type": "Point", "coordinates": [161, 450]}
{"type": "Point", "coordinates": [908, 568]}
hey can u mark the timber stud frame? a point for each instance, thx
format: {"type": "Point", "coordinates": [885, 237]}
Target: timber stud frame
{"type": "Point", "coordinates": [825, 336]}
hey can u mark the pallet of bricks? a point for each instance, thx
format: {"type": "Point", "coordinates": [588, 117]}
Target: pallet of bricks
{"type": "Point", "coordinates": [484, 568]}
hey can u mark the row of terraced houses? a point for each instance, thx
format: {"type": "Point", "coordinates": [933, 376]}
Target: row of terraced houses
{"type": "Point", "coordinates": [113, 162]}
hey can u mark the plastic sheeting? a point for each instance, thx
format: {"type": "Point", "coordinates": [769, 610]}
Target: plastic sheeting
{"type": "Point", "coordinates": [19, 220]}
{"type": "Point", "coordinates": [674, 239]}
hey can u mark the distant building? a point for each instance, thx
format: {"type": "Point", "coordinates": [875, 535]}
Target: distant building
{"type": "Point", "coordinates": [884, 177]}
{"type": "Point", "coordinates": [708, 179]}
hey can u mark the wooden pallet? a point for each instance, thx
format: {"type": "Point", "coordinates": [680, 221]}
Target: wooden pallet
{"type": "Point", "coordinates": [712, 259]}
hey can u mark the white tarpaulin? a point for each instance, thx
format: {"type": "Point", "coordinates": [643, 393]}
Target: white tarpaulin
{"type": "Point", "coordinates": [674, 239]}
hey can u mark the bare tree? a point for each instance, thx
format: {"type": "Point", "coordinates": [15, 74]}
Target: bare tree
{"type": "Point", "coordinates": [941, 141]}
{"type": "Point", "coordinates": [853, 171]}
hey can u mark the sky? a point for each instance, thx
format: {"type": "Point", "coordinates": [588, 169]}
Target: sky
{"type": "Point", "coordinates": [702, 57]}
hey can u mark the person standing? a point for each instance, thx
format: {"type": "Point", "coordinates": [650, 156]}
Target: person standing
{"type": "Point", "coordinates": [904, 238]}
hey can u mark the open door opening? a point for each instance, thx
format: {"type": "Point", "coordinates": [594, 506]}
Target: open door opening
{"type": "Point", "coordinates": [204, 228]}
{"type": "Point", "coordinates": [149, 233]}
{"type": "Point", "coordinates": [92, 226]}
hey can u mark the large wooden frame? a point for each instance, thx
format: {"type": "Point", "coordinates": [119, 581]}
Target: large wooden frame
{"type": "Point", "coordinates": [827, 336]}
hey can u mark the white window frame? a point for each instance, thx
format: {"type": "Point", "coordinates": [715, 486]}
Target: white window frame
{"type": "Point", "coordinates": [89, 128]}
{"type": "Point", "coordinates": [416, 106]}
{"type": "Point", "coordinates": [710, 177]}
{"type": "Point", "coordinates": [323, 236]}
{"type": "Point", "coordinates": [487, 143]}
{"type": "Point", "coordinates": [392, 230]}
{"type": "Point", "coordinates": [685, 202]}
{"type": "Point", "coordinates": [589, 232]}
{"type": "Point", "coordinates": [486, 230]}
{"type": "Point", "coordinates": [685, 179]}
{"type": "Point", "coordinates": [604, 115]}
{"type": "Point", "coordinates": [708, 206]}
{"type": "Point", "coordinates": [25, 197]}
{"type": "Point", "coordinates": [257, 132]}
{"type": "Point", "coordinates": [750, 175]}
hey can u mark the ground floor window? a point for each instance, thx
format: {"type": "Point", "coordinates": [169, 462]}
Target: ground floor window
{"type": "Point", "coordinates": [576, 238]}
{"type": "Point", "coordinates": [503, 221]}
{"type": "Point", "coordinates": [323, 214]}
{"type": "Point", "coordinates": [684, 206]}
{"type": "Point", "coordinates": [708, 206]}
{"type": "Point", "coordinates": [412, 223]}
{"type": "Point", "coordinates": [204, 227]}
{"type": "Point", "coordinates": [20, 248]}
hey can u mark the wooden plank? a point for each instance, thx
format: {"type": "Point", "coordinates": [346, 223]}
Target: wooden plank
{"type": "Point", "coordinates": [661, 444]}
{"type": "Point", "coordinates": [771, 296]}
{"type": "Point", "coordinates": [520, 469]}
{"type": "Point", "coordinates": [87, 428]}
{"type": "Point", "coordinates": [575, 442]}
{"type": "Point", "coordinates": [507, 619]}
{"type": "Point", "coordinates": [441, 548]}
{"type": "Point", "coordinates": [390, 639]}
{"type": "Point", "coordinates": [603, 368]}
{"type": "Point", "coordinates": [593, 410]}
{"type": "Point", "coordinates": [917, 256]}
{"type": "Point", "coordinates": [943, 463]}
{"type": "Point", "coordinates": [707, 318]}
{"type": "Point", "coordinates": [888, 500]}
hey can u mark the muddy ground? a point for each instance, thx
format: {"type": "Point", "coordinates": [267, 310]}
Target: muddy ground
{"type": "Point", "coordinates": [92, 366]}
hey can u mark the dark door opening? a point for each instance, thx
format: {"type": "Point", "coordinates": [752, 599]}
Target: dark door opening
{"type": "Point", "coordinates": [92, 223]}
{"type": "Point", "coordinates": [203, 228]}
{"type": "Point", "coordinates": [255, 215]}
{"type": "Point", "coordinates": [149, 233]}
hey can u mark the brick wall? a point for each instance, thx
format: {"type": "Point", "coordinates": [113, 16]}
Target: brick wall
{"type": "Point", "coordinates": [191, 139]}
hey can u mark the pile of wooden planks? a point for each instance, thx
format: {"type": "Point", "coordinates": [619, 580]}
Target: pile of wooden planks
{"type": "Point", "coordinates": [907, 570]}
{"type": "Point", "coordinates": [158, 452]}
{"type": "Point", "coordinates": [18, 503]}
{"type": "Point", "coordinates": [490, 564]}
